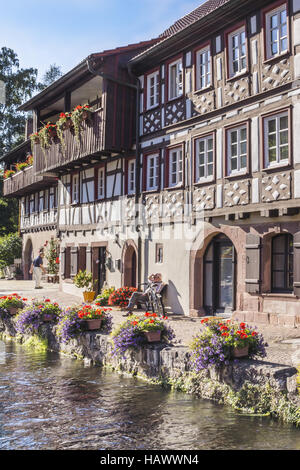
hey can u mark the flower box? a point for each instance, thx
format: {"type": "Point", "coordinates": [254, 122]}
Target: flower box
{"type": "Point", "coordinates": [94, 324]}
{"type": "Point", "coordinates": [153, 336]}
{"type": "Point", "coordinates": [48, 317]}
{"type": "Point", "coordinates": [13, 310]}
{"type": "Point", "coordinates": [241, 352]}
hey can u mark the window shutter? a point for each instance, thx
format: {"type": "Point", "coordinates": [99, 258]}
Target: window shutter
{"type": "Point", "coordinates": [89, 259]}
{"type": "Point", "coordinates": [297, 264]}
{"type": "Point", "coordinates": [62, 262]}
{"type": "Point", "coordinates": [74, 261]}
{"type": "Point", "coordinates": [253, 279]}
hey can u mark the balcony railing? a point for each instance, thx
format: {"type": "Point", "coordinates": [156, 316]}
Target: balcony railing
{"type": "Point", "coordinates": [24, 181]}
{"type": "Point", "coordinates": [91, 142]}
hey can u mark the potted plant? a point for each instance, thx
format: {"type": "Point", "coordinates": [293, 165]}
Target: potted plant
{"type": "Point", "coordinates": [12, 303]}
{"type": "Point", "coordinates": [84, 280]}
{"type": "Point", "coordinates": [120, 297]}
{"type": "Point", "coordinates": [222, 341]}
{"type": "Point", "coordinates": [79, 114]}
{"type": "Point", "coordinates": [64, 122]}
{"type": "Point", "coordinates": [50, 312]}
{"type": "Point", "coordinates": [92, 317]}
{"type": "Point", "coordinates": [34, 139]}
{"type": "Point", "coordinates": [102, 299]}
{"type": "Point", "coordinates": [134, 332]}
{"type": "Point", "coordinates": [8, 174]}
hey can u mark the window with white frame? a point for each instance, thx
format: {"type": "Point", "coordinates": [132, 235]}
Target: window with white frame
{"type": "Point", "coordinates": [237, 52]}
{"type": "Point", "coordinates": [101, 183]}
{"type": "Point", "coordinates": [175, 79]}
{"type": "Point", "coordinates": [276, 138]}
{"type": "Point", "coordinates": [203, 68]}
{"type": "Point", "coordinates": [237, 150]}
{"type": "Point", "coordinates": [75, 188]}
{"type": "Point", "coordinates": [276, 32]}
{"type": "Point", "coordinates": [131, 177]}
{"type": "Point", "coordinates": [41, 201]}
{"type": "Point", "coordinates": [51, 198]}
{"type": "Point", "coordinates": [175, 167]}
{"type": "Point", "coordinates": [152, 90]}
{"type": "Point", "coordinates": [152, 177]}
{"type": "Point", "coordinates": [204, 153]}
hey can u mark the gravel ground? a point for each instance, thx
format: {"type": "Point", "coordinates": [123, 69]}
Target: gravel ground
{"type": "Point", "coordinates": [284, 343]}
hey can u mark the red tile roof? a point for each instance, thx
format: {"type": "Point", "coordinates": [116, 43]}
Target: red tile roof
{"type": "Point", "coordinates": [203, 10]}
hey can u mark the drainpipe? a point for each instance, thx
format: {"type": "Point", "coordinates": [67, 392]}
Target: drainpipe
{"type": "Point", "coordinates": [137, 88]}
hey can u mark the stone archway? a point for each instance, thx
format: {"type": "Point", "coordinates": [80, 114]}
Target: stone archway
{"type": "Point", "coordinates": [27, 260]}
{"type": "Point", "coordinates": [129, 261]}
{"type": "Point", "coordinates": [197, 258]}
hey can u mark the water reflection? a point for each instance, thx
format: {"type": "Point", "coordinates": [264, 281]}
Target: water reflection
{"type": "Point", "coordinates": [52, 402]}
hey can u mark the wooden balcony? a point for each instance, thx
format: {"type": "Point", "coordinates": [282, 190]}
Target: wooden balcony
{"type": "Point", "coordinates": [57, 156]}
{"type": "Point", "coordinates": [24, 182]}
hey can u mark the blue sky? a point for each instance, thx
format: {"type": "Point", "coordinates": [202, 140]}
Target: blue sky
{"type": "Point", "coordinates": [66, 31]}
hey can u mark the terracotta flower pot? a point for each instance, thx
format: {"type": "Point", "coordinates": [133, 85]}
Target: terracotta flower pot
{"type": "Point", "coordinates": [12, 310]}
{"type": "Point", "coordinates": [241, 352]}
{"type": "Point", "coordinates": [94, 324]}
{"type": "Point", "coordinates": [153, 336]}
{"type": "Point", "coordinates": [48, 317]}
{"type": "Point", "coordinates": [86, 114]}
{"type": "Point", "coordinates": [89, 296]}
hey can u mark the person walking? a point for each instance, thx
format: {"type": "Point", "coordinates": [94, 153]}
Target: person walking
{"type": "Point", "coordinates": [37, 269]}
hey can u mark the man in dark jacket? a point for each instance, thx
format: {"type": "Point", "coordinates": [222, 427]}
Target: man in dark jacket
{"type": "Point", "coordinates": [37, 269]}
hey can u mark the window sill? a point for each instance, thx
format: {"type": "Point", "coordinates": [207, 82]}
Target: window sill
{"type": "Point", "coordinates": [154, 108]}
{"type": "Point", "coordinates": [279, 166]}
{"type": "Point", "coordinates": [238, 76]}
{"type": "Point", "coordinates": [204, 182]}
{"type": "Point", "coordinates": [277, 57]}
{"type": "Point", "coordinates": [170, 100]}
{"type": "Point", "coordinates": [170, 188]}
{"type": "Point", "coordinates": [278, 294]}
{"type": "Point", "coordinates": [151, 191]}
{"type": "Point", "coordinates": [203, 90]}
{"type": "Point", "coordinates": [238, 175]}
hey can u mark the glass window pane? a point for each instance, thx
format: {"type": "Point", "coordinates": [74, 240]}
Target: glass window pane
{"type": "Point", "coordinates": [284, 137]}
{"type": "Point", "coordinates": [283, 122]}
{"type": "Point", "coordinates": [284, 153]}
{"type": "Point", "coordinates": [272, 155]}
{"type": "Point", "coordinates": [272, 125]}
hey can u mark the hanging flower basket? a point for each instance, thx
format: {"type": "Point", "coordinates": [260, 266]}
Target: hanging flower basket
{"type": "Point", "coordinates": [153, 336]}
{"type": "Point", "coordinates": [86, 115]}
{"type": "Point", "coordinates": [241, 352]}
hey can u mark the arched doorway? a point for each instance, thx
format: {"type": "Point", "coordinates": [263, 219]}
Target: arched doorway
{"type": "Point", "coordinates": [130, 266]}
{"type": "Point", "coordinates": [28, 259]}
{"type": "Point", "coordinates": [219, 279]}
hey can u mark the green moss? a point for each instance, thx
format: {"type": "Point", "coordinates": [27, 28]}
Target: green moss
{"type": "Point", "coordinates": [36, 342]}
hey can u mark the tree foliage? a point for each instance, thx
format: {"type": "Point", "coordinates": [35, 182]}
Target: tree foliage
{"type": "Point", "coordinates": [53, 73]}
{"type": "Point", "coordinates": [20, 84]}
{"type": "Point", "coordinates": [10, 248]}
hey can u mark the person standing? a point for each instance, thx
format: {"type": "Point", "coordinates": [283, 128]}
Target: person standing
{"type": "Point", "coordinates": [37, 269]}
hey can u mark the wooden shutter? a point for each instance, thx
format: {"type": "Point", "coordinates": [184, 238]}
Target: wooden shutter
{"type": "Point", "coordinates": [74, 261]}
{"type": "Point", "coordinates": [253, 260]}
{"type": "Point", "coordinates": [62, 262]}
{"type": "Point", "coordinates": [89, 259]}
{"type": "Point", "coordinates": [297, 264]}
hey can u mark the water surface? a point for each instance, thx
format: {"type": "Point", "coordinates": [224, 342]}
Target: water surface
{"type": "Point", "coordinates": [52, 402]}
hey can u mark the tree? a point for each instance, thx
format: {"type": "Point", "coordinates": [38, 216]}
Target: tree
{"type": "Point", "coordinates": [9, 211]}
{"type": "Point", "coordinates": [10, 248]}
{"type": "Point", "coordinates": [20, 84]}
{"type": "Point", "coordinates": [53, 73]}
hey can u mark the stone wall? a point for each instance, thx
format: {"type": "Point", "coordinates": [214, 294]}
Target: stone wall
{"type": "Point", "coordinates": [169, 366]}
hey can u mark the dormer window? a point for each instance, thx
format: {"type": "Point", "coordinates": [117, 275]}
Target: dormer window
{"type": "Point", "coordinates": [153, 90]}
{"type": "Point", "coordinates": [175, 79]}
{"type": "Point", "coordinates": [237, 52]}
{"type": "Point", "coordinates": [276, 32]}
